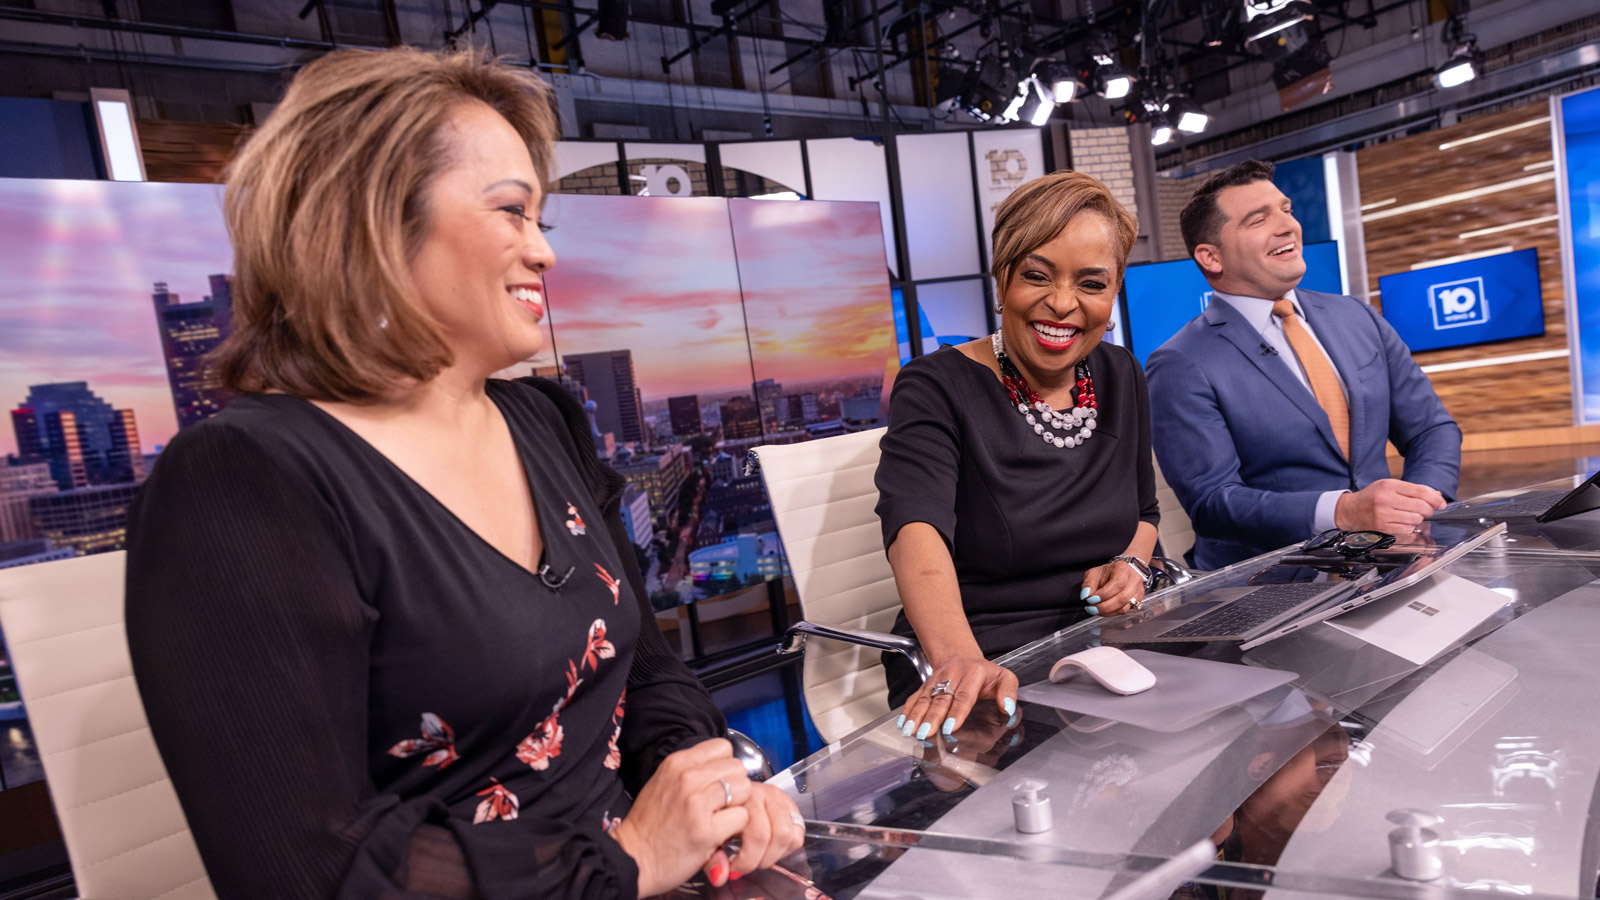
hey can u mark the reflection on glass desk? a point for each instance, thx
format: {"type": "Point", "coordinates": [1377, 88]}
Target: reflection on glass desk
{"type": "Point", "coordinates": [1498, 736]}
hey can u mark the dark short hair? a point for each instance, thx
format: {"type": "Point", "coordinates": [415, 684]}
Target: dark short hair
{"type": "Point", "coordinates": [1201, 219]}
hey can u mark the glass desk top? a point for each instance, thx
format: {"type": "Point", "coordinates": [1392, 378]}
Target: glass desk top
{"type": "Point", "coordinates": [1498, 736]}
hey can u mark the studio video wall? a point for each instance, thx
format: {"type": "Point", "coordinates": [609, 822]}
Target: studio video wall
{"type": "Point", "coordinates": [692, 330]}
{"type": "Point", "coordinates": [1576, 121]}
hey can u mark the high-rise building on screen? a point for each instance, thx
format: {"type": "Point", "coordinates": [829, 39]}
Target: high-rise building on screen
{"type": "Point", "coordinates": [685, 414]}
{"type": "Point", "coordinates": [608, 377]}
{"type": "Point", "coordinates": [85, 440]}
{"type": "Point", "coordinates": [190, 331]}
{"type": "Point", "coordinates": [741, 418]}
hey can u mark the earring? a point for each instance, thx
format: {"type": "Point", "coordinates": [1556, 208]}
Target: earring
{"type": "Point", "coordinates": [998, 307]}
{"type": "Point", "coordinates": [1111, 325]}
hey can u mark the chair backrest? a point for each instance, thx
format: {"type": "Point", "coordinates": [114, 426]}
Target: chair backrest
{"type": "Point", "coordinates": [1176, 531]}
{"type": "Point", "coordinates": [824, 499]}
{"type": "Point", "coordinates": [125, 833]}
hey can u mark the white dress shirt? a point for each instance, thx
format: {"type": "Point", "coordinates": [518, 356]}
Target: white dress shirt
{"type": "Point", "coordinates": [1258, 313]}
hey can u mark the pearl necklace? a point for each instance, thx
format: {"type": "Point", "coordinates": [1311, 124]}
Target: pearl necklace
{"type": "Point", "coordinates": [1080, 417]}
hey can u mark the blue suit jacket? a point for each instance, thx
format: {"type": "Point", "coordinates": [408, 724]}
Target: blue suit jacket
{"type": "Point", "coordinates": [1245, 446]}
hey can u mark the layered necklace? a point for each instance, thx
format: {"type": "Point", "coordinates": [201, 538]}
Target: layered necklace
{"type": "Point", "coordinates": [1062, 429]}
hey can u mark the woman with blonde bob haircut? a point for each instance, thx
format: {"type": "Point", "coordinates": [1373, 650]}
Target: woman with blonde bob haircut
{"type": "Point", "coordinates": [1016, 487]}
{"type": "Point", "coordinates": [383, 615]}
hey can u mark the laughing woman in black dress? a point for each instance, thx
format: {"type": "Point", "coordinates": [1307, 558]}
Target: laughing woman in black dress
{"type": "Point", "coordinates": [1016, 488]}
{"type": "Point", "coordinates": [388, 634]}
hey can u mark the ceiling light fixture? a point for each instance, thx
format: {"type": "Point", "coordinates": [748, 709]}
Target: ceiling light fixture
{"type": "Point", "coordinates": [1185, 114]}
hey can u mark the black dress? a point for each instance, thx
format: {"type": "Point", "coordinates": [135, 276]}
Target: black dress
{"type": "Point", "coordinates": [358, 697]}
{"type": "Point", "coordinates": [1023, 519]}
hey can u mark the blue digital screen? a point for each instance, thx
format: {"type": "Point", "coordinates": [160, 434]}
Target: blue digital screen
{"type": "Point", "coordinates": [1494, 298]}
{"type": "Point", "coordinates": [1160, 298]}
{"type": "Point", "coordinates": [1580, 161]}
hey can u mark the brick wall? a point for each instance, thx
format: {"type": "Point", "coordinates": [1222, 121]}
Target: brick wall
{"type": "Point", "coordinates": [600, 179]}
{"type": "Point", "coordinates": [1171, 195]}
{"type": "Point", "coordinates": [1103, 153]}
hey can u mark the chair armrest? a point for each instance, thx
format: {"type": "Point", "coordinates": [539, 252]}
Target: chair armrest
{"type": "Point", "coordinates": [748, 752]}
{"type": "Point", "coordinates": [1171, 570]}
{"type": "Point", "coordinates": [795, 639]}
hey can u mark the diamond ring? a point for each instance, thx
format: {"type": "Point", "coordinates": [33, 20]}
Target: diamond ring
{"type": "Point", "coordinates": [942, 687]}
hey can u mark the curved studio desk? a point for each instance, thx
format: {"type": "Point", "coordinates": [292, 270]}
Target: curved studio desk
{"type": "Point", "coordinates": [1498, 736]}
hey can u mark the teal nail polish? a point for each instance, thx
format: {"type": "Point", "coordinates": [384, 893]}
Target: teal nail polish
{"type": "Point", "coordinates": [900, 722]}
{"type": "Point", "coordinates": [1012, 722]}
{"type": "Point", "coordinates": [924, 744]}
{"type": "Point", "coordinates": [1015, 740]}
{"type": "Point", "coordinates": [1085, 594]}
{"type": "Point", "coordinates": [1092, 611]}
{"type": "Point", "coordinates": [910, 727]}
{"type": "Point", "coordinates": [949, 725]}
{"type": "Point", "coordinates": [1095, 600]}
{"type": "Point", "coordinates": [1009, 705]}
{"type": "Point", "coordinates": [923, 731]}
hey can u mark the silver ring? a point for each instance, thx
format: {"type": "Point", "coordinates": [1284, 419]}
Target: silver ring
{"type": "Point", "coordinates": [1417, 530]}
{"type": "Point", "coordinates": [942, 687]}
{"type": "Point", "coordinates": [1137, 603]}
{"type": "Point", "coordinates": [727, 793]}
{"type": "Point", "coordinates": [796, 818]}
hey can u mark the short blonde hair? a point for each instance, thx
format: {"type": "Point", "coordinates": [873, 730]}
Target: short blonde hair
{"type": "Point", "coordinates": [327, 204]}
{"type": "Point", "coordinates": [1036, 212]}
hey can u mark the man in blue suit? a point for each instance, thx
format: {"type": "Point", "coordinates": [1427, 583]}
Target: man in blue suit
{"type": "Point", "coordinates": [1270, 411]}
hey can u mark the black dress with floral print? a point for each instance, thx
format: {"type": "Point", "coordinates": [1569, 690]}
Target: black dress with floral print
{"type": "Point", "coordinates": [358, 697]}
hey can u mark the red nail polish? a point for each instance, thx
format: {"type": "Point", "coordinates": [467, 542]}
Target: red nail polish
{"type": "Point", "coordinates": [716, 876]}
{"type": "Point", "coordinates": [736, 876]}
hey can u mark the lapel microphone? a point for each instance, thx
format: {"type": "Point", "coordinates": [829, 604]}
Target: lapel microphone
{"type": "Point", "coordinates": [552, 583]}
{"type": "Point", "coordinates": [1266, 349]}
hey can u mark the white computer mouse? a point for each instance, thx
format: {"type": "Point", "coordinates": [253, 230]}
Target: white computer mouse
{"type": "Point", "coordinates": [1116, 671]}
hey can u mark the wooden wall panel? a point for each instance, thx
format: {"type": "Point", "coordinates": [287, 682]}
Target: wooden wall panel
{"type": "Point", "coordinates": [1411, 170]}
{"type": "Point", "coordinates": [188, 151]}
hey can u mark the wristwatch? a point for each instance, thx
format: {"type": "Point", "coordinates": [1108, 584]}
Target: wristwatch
{"type": "Point", "coordinates": [1139, 566]}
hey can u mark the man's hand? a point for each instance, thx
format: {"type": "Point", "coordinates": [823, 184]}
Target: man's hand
{"type": "Point", "coordinates": [1388, 505]}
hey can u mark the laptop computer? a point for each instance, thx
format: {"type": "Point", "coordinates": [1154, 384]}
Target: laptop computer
{"type": "Point", "coordinates": [1285, 597]}
{"type": "Point", "coordinates": [1542, 506]}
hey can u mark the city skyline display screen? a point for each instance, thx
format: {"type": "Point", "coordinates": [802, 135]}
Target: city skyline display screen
{"type": "Point", "coordinates": [1160, 298]}
{"type": "Point", "coordinates": [698, 328]}
{"type": "Point", "coordinates": [1492, 298]}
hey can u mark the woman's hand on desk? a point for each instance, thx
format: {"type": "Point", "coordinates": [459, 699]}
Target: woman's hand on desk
{"type": "Point", "coordinates": [942, 703]}
{"type": "Point", "coordinates": [697, 799]}
{"type": "Point", "coordinates": [1111, 589]}
{"type": "Point", "coordinates": [774, 831]}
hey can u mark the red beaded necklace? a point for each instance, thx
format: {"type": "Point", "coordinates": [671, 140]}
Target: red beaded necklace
{"type": "Point", "coordinates": [1074, 426]}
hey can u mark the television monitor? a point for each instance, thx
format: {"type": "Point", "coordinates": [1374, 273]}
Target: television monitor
{"type": "Point", "coordinates": [1160, 298]}
{"type": "Point", "coordinates": [1492, 298]}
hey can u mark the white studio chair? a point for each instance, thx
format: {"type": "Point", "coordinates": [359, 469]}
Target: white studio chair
{"type": "Point", "coordinates": [823, 500]}
{"type": "Point", "coordinates": [126, 835]}
{"type": "Point", "coordinates": [1176, 531]}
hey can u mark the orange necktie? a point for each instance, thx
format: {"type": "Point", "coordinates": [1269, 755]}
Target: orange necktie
{"type": "Point", "coordinates": [1324, 382]}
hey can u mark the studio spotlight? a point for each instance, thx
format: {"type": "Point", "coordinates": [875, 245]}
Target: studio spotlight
{"type": "Point", "coordinates": [1060, 78]}
{"type": "Point", "coordinates": [1160, 129]}
{"type": "Point", "coordinates": [1462, 65]}
{"type": "Point", "coordinates": [1262, 25]}
{"type": "Point", "coordinates": [1185, 114]}
{"type": "Point", "coordinates": [1115, 81]}
{"type": "Point", "coordinates": [1034, 104]}
{"type": "Point", "coordinates": [979, 94]}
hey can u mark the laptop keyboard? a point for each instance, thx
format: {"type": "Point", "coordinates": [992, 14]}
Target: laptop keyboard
{"type": "Point", "coordinates": [1252, 610]}
{"type": "Point", "coordinates": [1533, 504]}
